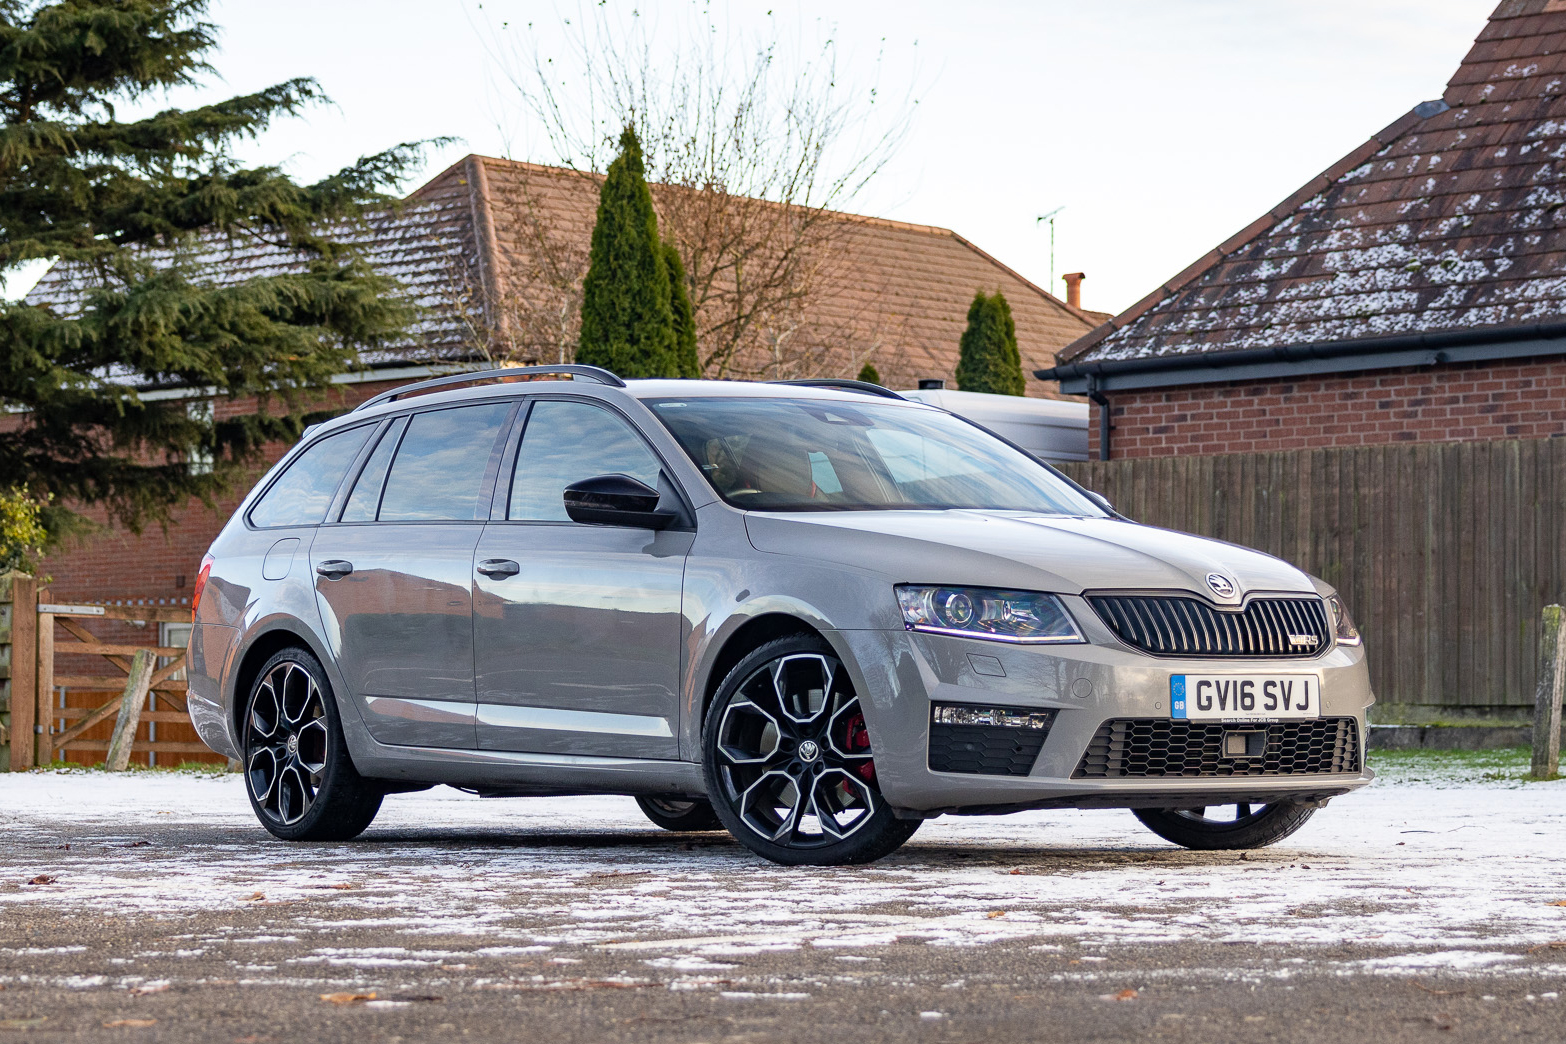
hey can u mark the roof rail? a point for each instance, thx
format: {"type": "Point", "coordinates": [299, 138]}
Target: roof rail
{"type": "Point", "coordinates": [594, 373]}
{"type": "Point", "coordinates": [842, 384]}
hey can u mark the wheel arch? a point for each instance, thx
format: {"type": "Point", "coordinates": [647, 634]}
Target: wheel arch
{"type": "Point", "coordinates": [746, 638]}
{"type": "Point", "coordinates": [262, 647]}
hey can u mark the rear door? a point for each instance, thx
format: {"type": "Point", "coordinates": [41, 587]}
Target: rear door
{"type": "Point", "coordinates": [578, 627]}
{"type": "Point", "coordinates": [394, 572]}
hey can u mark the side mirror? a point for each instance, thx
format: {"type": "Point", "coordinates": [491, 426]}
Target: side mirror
{"type": "Point", "coordinates": [1101, 500]}
{"type": "Point", "coordinates": [616, 500]}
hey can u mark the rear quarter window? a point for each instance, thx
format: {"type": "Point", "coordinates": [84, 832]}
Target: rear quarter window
{"type": "Point", "coordinates": [301, 495]}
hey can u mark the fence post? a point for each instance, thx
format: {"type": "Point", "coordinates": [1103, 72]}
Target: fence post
{"type": "Point", "coordinates": [24, 662]}
{"type": "Point", "coordinates": [131, 703]}
{"type": "Point", "coordinates": [6, 613]}
{"type": "Point", "coordinates": [1547, 698]}
{"type": "Point", "coordinates": [43, 682]}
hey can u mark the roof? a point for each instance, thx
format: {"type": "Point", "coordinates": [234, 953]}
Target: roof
{"type": "Point", "coordinates": [1449, 224]}
{"type": "Point", "coordinates": [420, 247]}
{"type": "Point", "coordinates": [899, 292]}
{"type": "Point", "coordinates": [489, 239]}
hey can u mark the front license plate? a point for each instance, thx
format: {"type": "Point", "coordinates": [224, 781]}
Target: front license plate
{"type": "Point", "coordinates": [1244, 697]}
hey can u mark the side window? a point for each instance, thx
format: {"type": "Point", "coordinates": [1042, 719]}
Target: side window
{"type": "Point", "coordinates": [439, 469]}
{"type": "Point", "coordinates": [567, 442]}
{"type": "Point", "coordinates": [302, 494]}
{"type": "Point", "coordinates": [366, 496]}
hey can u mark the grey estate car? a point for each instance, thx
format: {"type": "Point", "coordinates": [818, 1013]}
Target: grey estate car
{"type": "Point", "coordinates": [814, 614]}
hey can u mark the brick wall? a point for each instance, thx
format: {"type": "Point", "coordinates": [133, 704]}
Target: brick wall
{"type": "Point", "coordinates": [1521, 399]}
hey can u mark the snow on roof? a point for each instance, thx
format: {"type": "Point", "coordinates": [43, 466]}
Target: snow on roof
{"type": "Point", "coordinates": [1449, 219]}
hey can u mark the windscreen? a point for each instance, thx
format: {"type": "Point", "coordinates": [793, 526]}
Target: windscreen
{"type": "Point", "coordinates": [825, 455]}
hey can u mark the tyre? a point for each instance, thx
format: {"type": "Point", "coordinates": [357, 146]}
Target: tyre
{"type": "Point", "coordinates": [788, 763]}
{"type": "Point", "coordinates": [301, 781]}
{"type": "Point", "coordinates": [680, 813]}
{"type": "Point", "coordinates": [1225, 826]}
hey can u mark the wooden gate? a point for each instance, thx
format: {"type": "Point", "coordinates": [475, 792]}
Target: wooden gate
{"type": "Point", "coordinates": [66, 682]}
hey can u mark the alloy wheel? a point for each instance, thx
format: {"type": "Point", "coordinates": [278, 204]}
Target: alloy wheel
{"type": "Point", "coordinates": [794, 754]}
{"type": "Point", "coordinates": [286, 741]}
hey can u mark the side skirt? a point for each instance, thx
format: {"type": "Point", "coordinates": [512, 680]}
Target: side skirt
{"type": "Point", "coordinates": [525, 773]}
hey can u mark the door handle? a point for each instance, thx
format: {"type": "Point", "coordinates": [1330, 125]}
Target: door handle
{"type": "Point", "coordinates": [499, 568]}
{"type": "Point", "coordinates": [334, 569]}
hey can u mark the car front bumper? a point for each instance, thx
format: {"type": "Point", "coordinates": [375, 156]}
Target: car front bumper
{"type": "Point", "coordinates": [903, 673]}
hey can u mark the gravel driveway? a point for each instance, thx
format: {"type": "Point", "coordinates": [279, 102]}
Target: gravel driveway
{"type": "Point", "coordinates": [150, 906]}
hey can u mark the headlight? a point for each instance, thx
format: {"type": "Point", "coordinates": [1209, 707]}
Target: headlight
{"type": "Point", "coordinates": [982, 612]}
{"type": "Point", "coordinates": [1343, 627]}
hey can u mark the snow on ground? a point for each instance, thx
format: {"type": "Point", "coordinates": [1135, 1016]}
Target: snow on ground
{"type": "Point", "coordinates": [1433, 874]}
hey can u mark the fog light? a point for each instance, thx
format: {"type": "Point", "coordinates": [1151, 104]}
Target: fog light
{"type": "Point", "coordinates": [1004, 717]}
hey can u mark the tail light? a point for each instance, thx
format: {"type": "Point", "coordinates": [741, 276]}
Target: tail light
{"type": "Point", "coordinates": [201, 585]}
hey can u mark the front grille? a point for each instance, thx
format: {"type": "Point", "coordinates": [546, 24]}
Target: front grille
{"type": "Point", "coordinates": [1160, 748]}
{"type": "Point", "coordinates": [1176, 625]}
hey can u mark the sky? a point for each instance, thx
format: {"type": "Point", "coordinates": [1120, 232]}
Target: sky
{"type": "Point", "coordinates": [1160, 126]}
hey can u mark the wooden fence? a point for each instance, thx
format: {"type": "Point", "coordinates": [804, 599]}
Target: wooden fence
{"type": "Point", "coordinates": [1444, 553]}
{"type": "Point", "coordinates": [60, 701]}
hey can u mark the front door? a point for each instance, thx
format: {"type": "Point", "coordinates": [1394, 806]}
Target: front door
{"type": "Point", "coordinates": [577, 628]}
{"type": "Point", "coordinates": [394, 573]}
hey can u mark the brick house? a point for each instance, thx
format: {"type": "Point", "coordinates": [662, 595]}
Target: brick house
{"type": "Point", "coordinates": [1415, 291]}
{"type": "Point", "coordinates": [464, 246]}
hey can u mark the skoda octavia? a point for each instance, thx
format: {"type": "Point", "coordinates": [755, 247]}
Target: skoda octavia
{"type": "Point", "coordinates": [814, 615]}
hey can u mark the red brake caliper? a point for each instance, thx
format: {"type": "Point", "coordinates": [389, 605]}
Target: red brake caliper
{"type": "Point", "coordinates": [858, 739]}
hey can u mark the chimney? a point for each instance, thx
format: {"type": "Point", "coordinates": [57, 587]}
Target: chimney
{"type": "Point", "coordinates": [1074, 288]}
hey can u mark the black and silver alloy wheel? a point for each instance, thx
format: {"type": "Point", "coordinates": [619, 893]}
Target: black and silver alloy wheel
{"type": "Point", "coordinates": [301, 781]}
{"type": "Point", "coordinates": [286, 739]}
{"type": "Point", "coordinates": [789, 764]}
{"type": "Point", "coordinates": [1215, 827]}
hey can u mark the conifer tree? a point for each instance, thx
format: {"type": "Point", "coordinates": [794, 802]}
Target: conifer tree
{"type": "Point", "coordinates": [684, 314]}
{"type": "Point", "coordinates": [869, 374]}
{"type": "Point", "coordinates": [627, 318]}
{"type": "Point", "coordinates": [126, 206]}
{"type": "Point", "coordinates": [989, 360]}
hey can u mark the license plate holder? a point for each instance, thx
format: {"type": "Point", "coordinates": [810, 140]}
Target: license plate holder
{"type": "Point", "coordinates": [1244, 697]}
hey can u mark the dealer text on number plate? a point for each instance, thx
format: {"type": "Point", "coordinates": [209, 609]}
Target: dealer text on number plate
{"type": "Point", "coordinates": [1244, 697]}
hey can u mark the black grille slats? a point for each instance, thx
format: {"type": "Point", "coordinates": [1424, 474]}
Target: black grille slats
{"type": "Point", "coordinates": [1163, 748]}
{"type": "Point", "coordinates": [1178, 625]}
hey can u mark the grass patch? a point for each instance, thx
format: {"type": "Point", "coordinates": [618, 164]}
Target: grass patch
{"type": "Point", "coordinates": [198, 768]}
{"type": "Point", "coordinates": [1502, 766]}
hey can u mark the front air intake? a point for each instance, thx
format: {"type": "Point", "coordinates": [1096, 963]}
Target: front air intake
{"type": "Point", "coordinates": [1180, 625]}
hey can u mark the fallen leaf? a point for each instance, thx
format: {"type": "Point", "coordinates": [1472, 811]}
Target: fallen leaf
{"type": "Point", "coordinates": [1014, 871]}
{"type": "Point", "coordinates": [1559, 902]}
{"type": "Point", "coordinates": [995, 913]}
{"type": "Point", "coordinates": [23, 1024]}
{"type": "Point", "coordinates": [1126, 995]}
{"type": "Point", "coordinates": [347, 998]}
{"type": "Point", "coordinates": [130, 1023]}
{"type": "Point", "coordinates": [151, 987]}
{"type": "Point", "coordinates": [254, 897]}
{"type": "Point", "coordinates": [43, 879]}
{"type": "Point", "coordinates": [343, 887]}
{"type": "Point", "coordinates": [138, 844]}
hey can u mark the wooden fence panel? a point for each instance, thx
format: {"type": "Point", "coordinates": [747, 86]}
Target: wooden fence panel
{"type": "Point", "coordinates": [1445, 553]}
